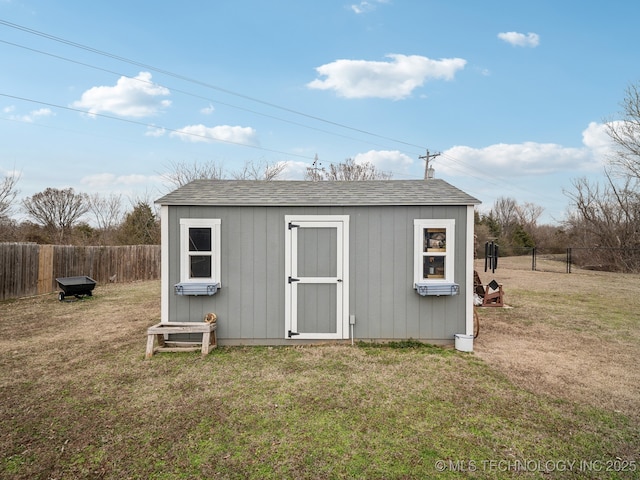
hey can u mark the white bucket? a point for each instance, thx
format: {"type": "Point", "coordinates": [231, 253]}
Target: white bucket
{"type": "Point", "coordinates": [464, 343]}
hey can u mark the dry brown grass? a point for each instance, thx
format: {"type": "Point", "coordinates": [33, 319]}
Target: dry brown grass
{"type": "Point", "coordinates": [573, 336]}
{"type": "Point", "coordinates": [553, 377]}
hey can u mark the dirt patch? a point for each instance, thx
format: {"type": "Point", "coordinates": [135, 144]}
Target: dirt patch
{"type": "Point", "coordinates": [572, 336]}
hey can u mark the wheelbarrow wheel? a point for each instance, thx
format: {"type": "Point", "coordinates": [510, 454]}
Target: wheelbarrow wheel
{"type": "Point", "coordinates": [61, 296]}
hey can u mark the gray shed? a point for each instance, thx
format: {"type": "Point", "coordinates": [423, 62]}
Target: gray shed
{"type": "Point", "coordinates": [288, 262]}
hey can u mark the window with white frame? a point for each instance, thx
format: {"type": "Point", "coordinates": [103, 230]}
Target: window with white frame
{"type": "Point", "coordinates": [433, 250]}
{"type": "Point", "coordinates": [200, 250]}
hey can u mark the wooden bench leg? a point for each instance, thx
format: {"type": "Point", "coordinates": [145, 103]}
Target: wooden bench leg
{"type": "Point", "coordinates": [206, 338]}
{"type": "Point", "coordinates": [150, 341]}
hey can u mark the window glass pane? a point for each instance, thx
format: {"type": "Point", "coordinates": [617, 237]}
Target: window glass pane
{"type": "Point", "coordinates": [435, 240]}
{"type": "Point", "coordinates": [433, 267]}
{"type": "Point", "coordinates": [199, 239]}
{"type": "Point", "coordinates": [200, 266]}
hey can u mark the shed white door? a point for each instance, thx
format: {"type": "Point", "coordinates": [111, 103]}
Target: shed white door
{"type": "Point", "coordinates": [317, 280]}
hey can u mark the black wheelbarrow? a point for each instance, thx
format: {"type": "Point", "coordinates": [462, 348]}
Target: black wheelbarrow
{"type": "Point", "coordinates": [76, 286]}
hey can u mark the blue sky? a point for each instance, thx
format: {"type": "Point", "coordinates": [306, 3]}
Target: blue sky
{"type": "Point", "coordinates": [105, 96]}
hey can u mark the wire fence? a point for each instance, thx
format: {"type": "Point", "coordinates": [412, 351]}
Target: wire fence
{"type": "Point", "coordinates": [609, 259]}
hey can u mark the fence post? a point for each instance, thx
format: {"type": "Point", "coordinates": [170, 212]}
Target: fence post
{"type": "Point", "coordinates": [533, 259]}
{"type": "Point", "coordinates": [568, 259]}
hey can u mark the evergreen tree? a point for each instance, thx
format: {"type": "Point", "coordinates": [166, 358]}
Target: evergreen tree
{"type": "Point", "coordinates": [140, 227]}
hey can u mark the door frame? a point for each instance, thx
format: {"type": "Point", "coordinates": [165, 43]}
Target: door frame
{"type": "Point", "coordinates": [342, 321]}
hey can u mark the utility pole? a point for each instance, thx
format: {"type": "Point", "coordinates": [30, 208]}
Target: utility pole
{"type": "Point", "coordinates": [428, 170]}
{"type": "Point", "coordinates": [316, 166]}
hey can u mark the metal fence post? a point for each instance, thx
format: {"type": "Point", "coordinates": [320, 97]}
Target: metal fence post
{"type": "Point", "coordinates": [533, 259]}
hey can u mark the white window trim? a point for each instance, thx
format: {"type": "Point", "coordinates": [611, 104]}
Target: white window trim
{"type": "Point", "coordinates": [214, 224]}
{"type": "Point", "coordinates": [418, 243]}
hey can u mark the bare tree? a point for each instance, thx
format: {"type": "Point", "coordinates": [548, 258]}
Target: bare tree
{"type": "Point", "coordinates": [261, 170]}
{"type": "Point", "coordinates": [348, 170]}
{"type": "Point", "coordinates": [181, 173]}
{"type": "Point", "coordinates": [528, 214]}
{"type": "Point", "coordinates": [625, 134]}
{"type": "Point", "coordinates": [8, 194]}
{"type": "Point", "coordinates": [607, 217]}
{"type": "Point", "coordinates": [505, 212]}
{"type": "Point", "coordinates": [57, 210]}
{"type": "Point", "coordinates": [107, 212]}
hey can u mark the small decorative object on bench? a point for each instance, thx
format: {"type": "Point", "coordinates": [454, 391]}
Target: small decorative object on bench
{"type": "Point", "coordinates": [159, 330]}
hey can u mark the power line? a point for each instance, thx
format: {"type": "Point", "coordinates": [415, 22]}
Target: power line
{"type": "Point", "coordinates": [197, 82]}
{"type": "Point", "coordinates": [137, 122]}
{"type": "Point", "coordinates": [184, 92]}
{"type": "Point", "coordinates": [468, 170]}
{"type": "Point", "coordinates": [155, 126]}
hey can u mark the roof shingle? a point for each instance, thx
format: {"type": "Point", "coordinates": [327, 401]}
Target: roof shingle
{"type": "Point", "coordinates": [323, 193]}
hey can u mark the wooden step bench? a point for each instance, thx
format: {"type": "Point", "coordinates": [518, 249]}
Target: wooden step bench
{"type": "Point", "coordinates": [158, 332]}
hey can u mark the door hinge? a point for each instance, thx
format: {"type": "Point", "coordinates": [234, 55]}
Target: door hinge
{"type": "Point", "coordinates": [291, 279]}
{"type": "Point", "coordinates": [293, 225]}
{"type": "Point", "coordinates": [291, 334]}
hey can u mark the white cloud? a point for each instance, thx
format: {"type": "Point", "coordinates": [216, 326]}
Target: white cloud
{"type": "Point", "coordinates": [597, 139]}
{"type": "Point", "coordinates": [119, 183]}
{"type": "Point", "coordinates": [529, 158]}
{"type": "Point", "coordinates": [395, 79]}
{"type": "Point", "coordinates": [130, 97]}
{"type": "Point", "coordinates": [388, 161]}
{"type": "Point", "coordinates": [153, 131]}
{"type": "Point", "coordinates": [520, 39]}
{"type": "Point", "coordinates": [294, 170]}
{"type": "Point", "coordinates": [10, 173]}
{"type": "Point", "coordinates": [208, 110]}
{"type": "Point", "coordinates": [364, 6]}
{"type": "Point", "coordinates": [31, 116]}
{"type": "Point", "coordinates": [224, 133]}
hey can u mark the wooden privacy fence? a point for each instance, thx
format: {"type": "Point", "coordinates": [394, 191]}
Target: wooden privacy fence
{"type": "Point", "coordinates": [30, 269]}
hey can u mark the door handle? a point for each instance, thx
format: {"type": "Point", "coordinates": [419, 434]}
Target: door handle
{"type": "Point", "coordinates": [339, 280]}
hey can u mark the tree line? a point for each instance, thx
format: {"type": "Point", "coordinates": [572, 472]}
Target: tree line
{"type": "Point", "coordinates": [64, 216]}
{"type": "Point", "coordinates": [603, 220]}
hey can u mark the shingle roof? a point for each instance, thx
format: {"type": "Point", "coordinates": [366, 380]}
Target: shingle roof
{"type": "Point", "coordinates": [323, 193]}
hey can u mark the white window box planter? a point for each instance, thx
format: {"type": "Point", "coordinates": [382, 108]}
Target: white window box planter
{"type": "Point", "coordinates": [437, 289]}
{"type": "Point", "coordinates": [194, 288]}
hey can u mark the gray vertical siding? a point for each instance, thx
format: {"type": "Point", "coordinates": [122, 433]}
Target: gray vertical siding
{"type": "Point", "coordinates": [250, 304]}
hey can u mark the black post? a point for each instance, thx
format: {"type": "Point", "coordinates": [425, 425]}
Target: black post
{"type": "Point", "coordinates": [495, 256]}
{"type": "Point", "coordinates": [533, 259]}
{"type": "Point", "coordinates": [486, 255]}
